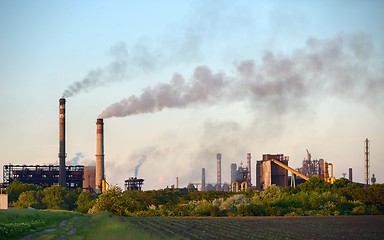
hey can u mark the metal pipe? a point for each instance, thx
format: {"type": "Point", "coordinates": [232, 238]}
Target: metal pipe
{"type": "Point", "coordinates": [100, 176]}
{"type": "Point", "coordinates": [62, 155]}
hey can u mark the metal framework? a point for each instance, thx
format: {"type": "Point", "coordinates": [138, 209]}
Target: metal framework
{"type": "Point", "coordinates": [133, 184]}
{"type": "Point", "coordinates": [43, 175]}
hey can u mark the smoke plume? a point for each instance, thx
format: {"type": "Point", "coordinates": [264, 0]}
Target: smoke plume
{"type": "Point", "coordinates": [75, 160]}
{"type": "Point", "coordinates": [341, 66]}
{"type": "Point", "coordinates": [142, 159]}
{"type": "Point", "coordinates": [115, 71]}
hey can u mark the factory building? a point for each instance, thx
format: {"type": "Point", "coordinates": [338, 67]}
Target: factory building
{"type": "Point", "coordinates": [43, 175]}
{"type": "Point", "coordinates": [89, 178]}
{"type": "Point", "coordinates": [269, 171]}
{"type": "Point", "coordinates": [239, 180]}
{"type": "Point", "coordinates": [133, 183]}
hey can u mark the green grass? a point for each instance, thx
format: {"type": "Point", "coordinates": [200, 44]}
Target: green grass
{"type": "Point", "coordinates": [107, 226]}
{"type": "Point", "coordinates": [17, 223]}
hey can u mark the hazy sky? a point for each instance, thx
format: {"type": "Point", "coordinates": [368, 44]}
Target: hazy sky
{"type": "Point", "coordinates": [179, 81]}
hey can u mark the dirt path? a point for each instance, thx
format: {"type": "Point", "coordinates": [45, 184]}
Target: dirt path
{"type": "Point", "coordinates": [64, 229]}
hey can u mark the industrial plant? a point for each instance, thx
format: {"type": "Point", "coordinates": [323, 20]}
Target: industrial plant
{"type": "Point", "coordinates": [77, 176]}
{"type": "Point", "coordinates": [272, 169]}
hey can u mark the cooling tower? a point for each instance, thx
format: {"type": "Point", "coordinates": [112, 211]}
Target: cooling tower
{"type": "Point", "coordinates": [99, 155]}
{"type": "Point", "coordinates": [62, 154]}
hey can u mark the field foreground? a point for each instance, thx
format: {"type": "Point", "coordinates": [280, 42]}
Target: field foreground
{"type": "Point", "coordinates": [25, 224]}
{"type": "Point", "coordinates": [345, 227]}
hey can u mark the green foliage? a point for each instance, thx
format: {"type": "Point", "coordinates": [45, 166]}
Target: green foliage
{"type": "Point", "coordinates": [16, 188]}
{"type": "Point", "coordinates": [315, 183]}
{"type": "Point", "coordinates": [54, 197]}
{"type": "Point", "coordinates": [112, 201]}
{"type": "Point", "coordinates": [315, 197]}
{"type": "Point", "coordinates": [31, 198]}
{"type": "Point", "coordinates": [85, 201]}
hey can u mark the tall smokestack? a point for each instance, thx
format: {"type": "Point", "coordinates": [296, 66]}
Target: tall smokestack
{"type": "Point", "coordinates": [99, 154]}
{"type": "Point", "coordinates": [62, 154]}
{"type": "Point", "coordinates": [350, 175]}
{"type": "Point", "coordinates": [366, 162]}
{"type": "Point", "coordinates": [203, 179]}
{"type": "Point", "coordinates": [218, 183]}
{"type": "Point", "coordinates": [249, 167]}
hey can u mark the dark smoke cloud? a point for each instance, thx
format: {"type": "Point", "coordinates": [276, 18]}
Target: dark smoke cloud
{"type": "Point", "coordinates": [115, 71]}
{"type": "Point", "coordinates": [142, 159]}
{"type": "Point", "coordinates": [341, 66]}
{"type": "Point", "coordinates": [204, 87]}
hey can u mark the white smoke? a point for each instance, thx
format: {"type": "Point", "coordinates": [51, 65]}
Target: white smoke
{"type": "Point", "coordinates": [75, 160]}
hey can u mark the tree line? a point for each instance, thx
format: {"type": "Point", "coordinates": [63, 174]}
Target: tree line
{"type": "Point", "coordinates": [314, 197]}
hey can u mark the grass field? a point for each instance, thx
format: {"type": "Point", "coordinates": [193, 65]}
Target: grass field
{"type": "Point", "coordinates": [33, 224]}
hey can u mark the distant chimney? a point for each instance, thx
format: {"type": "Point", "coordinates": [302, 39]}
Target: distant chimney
{"type": "Point", "coordinates": [218, 183]}
{"type": "Point", "coordinates": [350, 175]}
{"type": "Point", "coordinates": [99, 154]}
{"type": "Point", "coordinates": [203, 179]}
{"type": "Point", "coordinates": [62, 154]}
{"type": "Point", "coordinates": [177, 182]}
{"type": "Point", "coordinates": [366, 162]}
{"type": "Point", "coordinates": [249, 167]}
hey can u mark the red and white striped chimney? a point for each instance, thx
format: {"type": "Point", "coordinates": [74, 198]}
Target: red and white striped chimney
{"type": "Point", "coordinates": [62, 154]}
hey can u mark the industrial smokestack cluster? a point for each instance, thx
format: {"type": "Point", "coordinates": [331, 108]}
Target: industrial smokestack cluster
{"type": "Point", "coordinates": [62, 154]}
{"type": "Point", "coordinates": [99, 154]}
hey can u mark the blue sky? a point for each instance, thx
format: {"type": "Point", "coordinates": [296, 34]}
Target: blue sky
{"type": "Point", "coordinates": [293, 75]}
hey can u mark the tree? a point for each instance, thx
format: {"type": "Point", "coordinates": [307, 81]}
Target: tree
{"type": "Point", "coordinates": [16, 188]}
{"type": "Point", "coordinates": [54, 197]}
{"type": "Point", "coordinates": [85, 201]}
{"type": "Point", "coordinates": [111, 201]}
{"type": "Point", "coordinates": [31, 198]}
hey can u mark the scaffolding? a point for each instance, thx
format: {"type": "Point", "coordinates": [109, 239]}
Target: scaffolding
{"type": "Point", "coordinates": [43, 175]}
{"type": "Point", "coordinates": [133, 183]}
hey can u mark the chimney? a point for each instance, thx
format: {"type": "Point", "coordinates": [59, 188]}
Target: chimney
{"type": "Point", "coordinates": [249, 167]}
{"type": "Point", "coordinates": [177, 182]}
{"type": "Point", "coordinates": [350, 175]}
{"type": "Point", "coordinates": [99, 154]}
{"type": "Point", "coordinates": [218, 183]}
{"type": "Point", "coordinates": [366, 162]}
{"type": "Point", "coordinates": [62, 154]}
{"type": "Point", "coordinates": [203, 179]}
